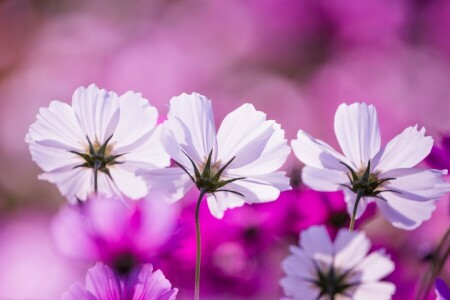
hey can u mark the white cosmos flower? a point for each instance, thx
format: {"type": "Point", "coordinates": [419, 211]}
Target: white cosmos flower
{"type": "Point", "coordinates": [324, 270]}
{"type": "Point", "coordinates": [257, 145]}
{"type": "Point", "coordinates": [125, 125]}
{"type": "Point", "coordinates": [405, 195]}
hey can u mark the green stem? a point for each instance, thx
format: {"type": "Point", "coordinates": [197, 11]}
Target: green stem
{"type": "Point", "coordinates": [355, 209]}
{"type": "Point", "coordinates": [97, 165]}
{"type": "Point", "coordinates": [199, 245]}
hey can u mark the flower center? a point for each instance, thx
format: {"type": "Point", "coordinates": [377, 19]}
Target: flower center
{"type": "Point", "coordinates": [210, 178]}
{"type": "Point", "coordinates": [98, 158]}
{"type": "Point", "coordinates": [331, 284]}
{"type": "Point", "coordinates": [366, 183]}
{"type": "Point", "coordinates": [124, 263]}
{"type": "Point", "coordinates": [338, 219]}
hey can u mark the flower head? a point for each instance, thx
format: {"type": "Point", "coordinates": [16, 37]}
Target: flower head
{"type": "Point", "coordinates": [322, 269]}
{"type": "Point", "coordinates": [442, 290]}
{"type": "Point", "coordinates": [103, 283]}
{"type": "Point", "coordinates": [439, 156]}
{"type": "Point", "coordinates": [97, 143]}
{"type": "Point", "coordinates": [369, 172]}
{"type": "Point", "coordinates": [237, 164]}
{"type": "Point", "coordinates": [107, 230]}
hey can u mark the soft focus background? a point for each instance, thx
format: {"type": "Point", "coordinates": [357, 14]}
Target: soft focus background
{"type": "Point", "coordinates": [296, 60]}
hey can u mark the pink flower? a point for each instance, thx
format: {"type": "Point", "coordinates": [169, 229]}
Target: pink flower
{"type": "Point", "coordinates": [102, 283]}
{"type": "Point", "coordinates": [120, 234]}
{"type": "Point", "coordinates": [439, 156]}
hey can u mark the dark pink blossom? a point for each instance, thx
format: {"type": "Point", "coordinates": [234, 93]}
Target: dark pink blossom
{"type": "Point", "coordinates": [103, 283]}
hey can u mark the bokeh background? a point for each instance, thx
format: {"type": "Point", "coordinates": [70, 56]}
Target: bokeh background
{"type": "Point", "coordinates": [296, 60]}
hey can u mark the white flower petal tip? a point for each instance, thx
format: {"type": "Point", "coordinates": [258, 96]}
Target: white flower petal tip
{"type": "Point", "coordinates": [98, 141]}
{"type": "Point", "coordinates": [235, 165]}
{"type": "Point", "coordinates": [376, 172]}
{"type": "Point", "coordinates": [344, 263]}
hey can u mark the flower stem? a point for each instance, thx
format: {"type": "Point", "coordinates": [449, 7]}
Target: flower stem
{"type": "Point", "coordinates": [355, 209]}
{"type": "Point", "coordinates": [440, 256]}
{"type": "Point", "coordinates": [199, 245]}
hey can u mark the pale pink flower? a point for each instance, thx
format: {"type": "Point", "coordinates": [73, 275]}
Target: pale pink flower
{"type": "Point", "coordinates": [405, 195]}
{"type": "Point", "coordinates": [244, 155]}
{"type": "Point", "coordinates": [341, 269]}
{"type": "Point", "coordinates": [97, 143]}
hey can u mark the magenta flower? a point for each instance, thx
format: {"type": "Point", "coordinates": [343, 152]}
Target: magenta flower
{"type": "Point", "coordinates": [102, 283]}
{"type": "Point", "coordinates": [439, 156]}
{"type": "Point", "coordinates": [442, 290]}
{"type": "Point", "coordinates": [117, 233]}
{"type": "Point", "coordinates": [310, 207]}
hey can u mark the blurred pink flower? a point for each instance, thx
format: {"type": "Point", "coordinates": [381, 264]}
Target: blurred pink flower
{"type": "Point", "coordinates": [103, 283]}
{"type": "Point", "coordinates": [309, 207]}
{"type": "Point", "coordinates": [371, 23]}
{"type": "Point", "coordinates": [121, 234]}
{"type": "Point", "coordinates": [439, 157]}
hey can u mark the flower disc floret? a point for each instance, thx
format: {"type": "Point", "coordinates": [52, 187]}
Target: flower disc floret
{"type": "Point", "coordinates": [210, 180]}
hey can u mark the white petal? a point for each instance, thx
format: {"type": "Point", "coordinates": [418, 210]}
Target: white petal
{"type": "Point", "coordinates": [324, 179]}
{"type": "Point", "coordinates": [106, 186]}
{"type": "Point", "coordinates": [405, 150]}
{"type": "Point", "coordinates": [130, 185]}
{"type": "Point", "coordinates": [417, 184]}
{"type": "Point", "coordinates": [258, 144]}
{"type": "Point", "coordinates": [374, 267]}
{"type": "Point", "coordinates": [260, 188]}
{"type": "Point", "coordinates": [54, 159]}
{"type": "Point", "coordinates": [170, 184]}
{"type": "Point", "coordinates": [299, 289]}
{"type": "Point", "coordinates": [357, 131]}
{"type": "Point", "coordinates": [57, 125]}
{"type": "Point", "coordinates": [405, 214]}
{"type": "Point", "coordinates": [273, 156]}
{"type": "Point", "coordinates": [150, 155]}
{"type": "Point", "coordinates": [318, 154]}
{"type": "Point", "coordinates": [350, 199]}
{"type": "Point", "coordinates": [221, 201]}
{"type": "Point", "coordinates": [136, 123]}
{"type": "Point", "coordinates": [173, 148]}
{"type": "Point", "coordinates": [350, 248]}
{"type": "Point", "coordinates": [300, 265]}
{"type": "Point", "coordinates": [97, 112]}
{"type": "Point", "coordinates": [316, 243]}
{"type": "Point", "coordinates": [373, 291]}
{"type": "Point", "coordinates": [191, 121]}
{"type": "Point", "coordinates": [74, 183]}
